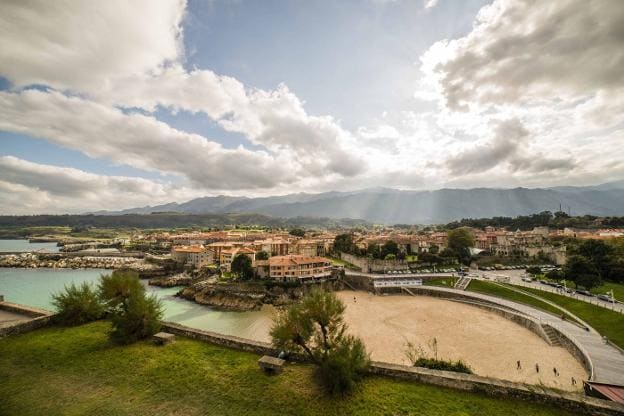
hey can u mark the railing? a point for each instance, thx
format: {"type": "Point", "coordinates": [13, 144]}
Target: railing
{"type": "Point", "coordinates": [617, 307]}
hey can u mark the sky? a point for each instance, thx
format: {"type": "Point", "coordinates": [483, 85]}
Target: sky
{"type": "Point", "coordinates": [116, 104]}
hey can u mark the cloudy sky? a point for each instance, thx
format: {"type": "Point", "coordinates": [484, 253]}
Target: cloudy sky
{"type": "Point", "coordinates": [115, 104]}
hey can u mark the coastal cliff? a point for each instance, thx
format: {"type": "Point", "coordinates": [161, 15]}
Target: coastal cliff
{"type": "Point", "coordinates": [240, 296]}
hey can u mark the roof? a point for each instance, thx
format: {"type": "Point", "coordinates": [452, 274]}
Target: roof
{"type": "Point", "coordinates": [189, 249]}
{"type": "Point", "coordinates": [296, 260]}
{"type": "Point", "coordinates": [609, 391]}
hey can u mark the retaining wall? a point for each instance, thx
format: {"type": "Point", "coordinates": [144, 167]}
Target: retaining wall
{"type": "Point", "coordinates": [40, 318]}
{"type": "Point", "coordinates": [573, 402]}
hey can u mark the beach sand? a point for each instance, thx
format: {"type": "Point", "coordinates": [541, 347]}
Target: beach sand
{"type": "Point", "coordinates": [490, 344]}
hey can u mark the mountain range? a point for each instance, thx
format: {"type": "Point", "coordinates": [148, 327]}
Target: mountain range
{"type": "Point", "coordinates": [392, 206]}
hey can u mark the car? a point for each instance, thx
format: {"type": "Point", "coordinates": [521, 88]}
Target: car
{"type": "Point", "coordinates": [606, 298]}
{"type": "Point", "coordinates": [568, 290]}
{"type": "Point", "coordinates": [527, 279]}
{"type": "Point", "coordinates": [585, 293]}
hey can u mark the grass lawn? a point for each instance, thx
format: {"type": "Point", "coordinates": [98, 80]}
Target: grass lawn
{"type": "Point", "coordinates": [606, 322]}
{"type": "Point", "coordinates": [76, 371]}
{"type": "Point", "coordinates": [488, 288]}
{"type": "Point", "coordinates": [444, 282]}
{"type": "Point", "coordinates": [618, 290]}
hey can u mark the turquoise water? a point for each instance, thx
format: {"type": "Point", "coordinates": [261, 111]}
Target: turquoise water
{"type": "Point", "coordinates": [34, 287]}
{"type": "Point", "coordinates": [24, 245]}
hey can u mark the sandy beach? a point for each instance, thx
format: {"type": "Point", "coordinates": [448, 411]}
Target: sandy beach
{"type": "Point", "coordinates": [488, 343]}
{"type": "Point", "coordinates": [491, 345]}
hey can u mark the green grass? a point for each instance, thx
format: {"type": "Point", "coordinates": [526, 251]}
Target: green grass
{"type": "Point", "coordinates": [77, 371]}
{"type": "Point", "coordinates": [606, 322]}
{"type": "Point", "coordinates": [493, 289]}
{"type": "Point", "coordinates": [339, 262]}
{"type": "Point", "coordinates": [444, 282]}
{"type": "Point", "coordinates": [618, 290]}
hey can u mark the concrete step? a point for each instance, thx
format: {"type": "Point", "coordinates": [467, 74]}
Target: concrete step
{"type": "Point", "coordinates": [553, 339]}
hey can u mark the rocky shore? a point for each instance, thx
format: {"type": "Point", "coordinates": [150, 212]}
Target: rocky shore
{"type": "Point", "coordinates": [240, 296]}
{"type": "Point", "coordinates": [34, 261]}
{"type": "Point", "coordinates": [181, 279]}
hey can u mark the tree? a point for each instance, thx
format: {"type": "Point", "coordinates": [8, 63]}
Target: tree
{"type": "Point", "coordinates": [77, 305]}
{"type": "Point", "coordinates": [134, 315]}
{"type": "Point", "coordinates": [434, 249]}
{"type": "Point", "coordinates": [582, 272]}
{"type": "Point", "coordinates": [389, 247]}
{"type": "Point", "coordinates": [297, 232]}
{"type": "Point", "coordinates": [343, 243]}
{"type": "Point", "coordinates": [390, 256]}
{"type": "Point", "coordinates": [262, 255]}
{"type": "Point", "coordinates": [534, 270]}
{"type": "Point", "coordinates": [460, 240]}
{"type": "Point", "coordinates": [241, 266]}
{"type": "Point", "coordinates": [316, 328]}
{"type": "Point", "coordinates": [598, 253]}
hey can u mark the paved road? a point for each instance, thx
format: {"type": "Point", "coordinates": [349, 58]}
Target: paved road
{"type": "Point", "coordinates": [516, 279]}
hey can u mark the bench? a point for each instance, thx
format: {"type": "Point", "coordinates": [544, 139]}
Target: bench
{"type": "Point", "coordinates": [271, 365]}
{"type": "Point", "coordinates": [163, 338]}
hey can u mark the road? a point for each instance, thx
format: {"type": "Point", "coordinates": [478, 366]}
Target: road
{"type": "Point", "coordinates": [515, 278]}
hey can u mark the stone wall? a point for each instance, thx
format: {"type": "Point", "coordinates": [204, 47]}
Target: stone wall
{"type": "Point", "coordinates": [26, 326]}
{"type": "Point", "coordinates": [367, 265]}
{"type": "Point", "coordinates": [576, 403]}
{"type": "Point", "coordinates": [572, 402]}
{"type": "Point", "coordinates": [40, 318]}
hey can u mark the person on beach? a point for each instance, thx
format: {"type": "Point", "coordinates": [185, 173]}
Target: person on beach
{"type": "Point", "coordinates": [518, 366]}
{"type": "Point", "coordinates": [537, 367]}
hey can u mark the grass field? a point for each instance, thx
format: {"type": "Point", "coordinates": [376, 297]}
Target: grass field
{"type": "Point", "coordinates": [618, 290]}
{"type": "Point", "coordinates": [76, 371]}
{"type": "Point", "coordinates": [443, 282]}
{"type": "Point", "coordinates": [489, 288]}
{"type": "Point", "coordinates": [606, 322]}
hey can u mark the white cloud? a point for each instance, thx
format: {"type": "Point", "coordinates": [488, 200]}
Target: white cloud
{"type": "Point", "coordinates": [141, 141]}
{"type": "Point", "coordinates": [430, 4]}
{"type": "Point", "coordinates": [28, 187]}
{"type": "Point", "coordinates": [87, 45]}
{"type": "Point", "coordinates": [522, 49]}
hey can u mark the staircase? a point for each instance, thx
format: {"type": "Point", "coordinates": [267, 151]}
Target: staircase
{"type": "Point", "coordinates": [551, 334]}
{"type": "Point", "coordinates": [462, 283]}
{"type": "Point", "coordinates": [407, 290]}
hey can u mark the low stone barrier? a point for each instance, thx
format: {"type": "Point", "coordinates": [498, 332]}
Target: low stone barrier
{"type": "Point", "coordinates": [40, 319]}
{"type": "Point", "coordinates": [26, 326]}
{"type": "Point", "coordinates": [570, 401]}
{"type": "Point", "coordinates": [256, 347]}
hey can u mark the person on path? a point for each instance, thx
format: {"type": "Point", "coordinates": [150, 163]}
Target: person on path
{"type": "Point", "coordinates": [518, 366]}
{"type": "Point", "coordinates": [537, 367]}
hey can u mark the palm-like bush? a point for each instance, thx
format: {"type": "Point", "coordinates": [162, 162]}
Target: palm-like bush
{"type": "Point", "coordinates": [77, 305]}
{"type": "Point", "coordinates": [134, 315]}
{"type": "Point", "coordinates": [316, 327]}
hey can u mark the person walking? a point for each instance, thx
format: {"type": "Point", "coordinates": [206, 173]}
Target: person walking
{"type": "Point", "coordinates": [537, 367]}
{"type": "Point", "coordinates": [518, 366]}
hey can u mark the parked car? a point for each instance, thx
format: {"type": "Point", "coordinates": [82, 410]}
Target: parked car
{"type": "Point", "coordinates": [606, 298]}
{"type": "Point", "coordinates": [585, 293]}
{"type": "Point", "coordinates": [527, 279]}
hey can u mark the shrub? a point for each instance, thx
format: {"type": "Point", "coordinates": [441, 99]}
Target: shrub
{"type": "Point", "coordinates": [316, 327]}
{"type": "Point", "coordinates": [139, 319]}
{"type": "Point", "coordinates": [134, 315]}
{"type": "Point", "coordinates": [434, 364]}
{"type": "Point", "coordinates": [343, 367]}
{"type": "Point", "coordinates": [77, 305]}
